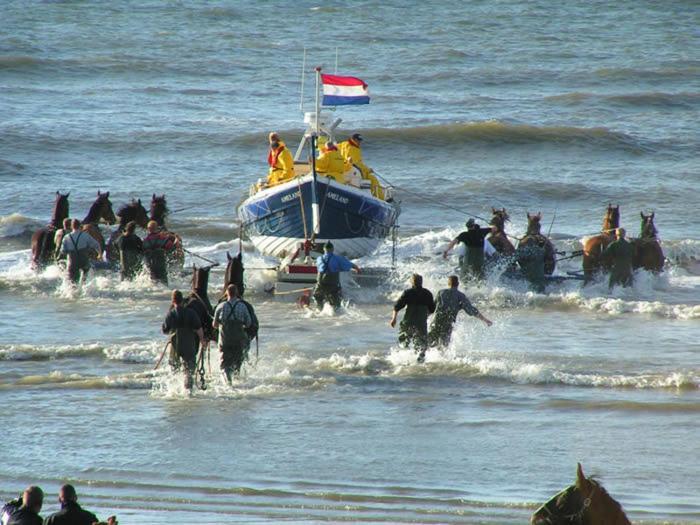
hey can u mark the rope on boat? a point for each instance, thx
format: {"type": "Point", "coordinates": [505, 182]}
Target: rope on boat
{"type": "Point", "coordinates": [428, 199]}
{"type": "Point", "coordinates": [213, 263]}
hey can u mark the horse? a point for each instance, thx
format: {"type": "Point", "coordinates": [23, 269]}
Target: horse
{"type": "Point", "coordinates": [43, 240]}
{"type": "Point", "coordinates": [159, 211]}
{"type": "Point", "coordinates": [593, 260]}
{"type": "Point", "coordinates": [101, 209]}
{"type": "Point", "coordinates": [198, 301]}
{"type": "Point", "coordinates": [648, 253]}
{"type": "Point", "coordinates": [133, 211]}
{"type": "Point", "coordinates": [499, 239]}
{"type": "Point", "coordinates": [234, 273]}
{"type": "Point", "coordinates": [533, 236]}
{"type": "Point", "coordinates": [584, 502]}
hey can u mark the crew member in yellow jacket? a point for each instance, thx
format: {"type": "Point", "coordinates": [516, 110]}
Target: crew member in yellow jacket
{"type": "Point", "coordinates": [332, 164]}
{"type": "Point", "coordinates": [280, 160]}
{"type": "Point", "coordinates": [351, 150]}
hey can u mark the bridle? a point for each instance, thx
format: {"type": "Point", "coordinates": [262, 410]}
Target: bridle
{"type": "Point", "coordinates": [553, 517]}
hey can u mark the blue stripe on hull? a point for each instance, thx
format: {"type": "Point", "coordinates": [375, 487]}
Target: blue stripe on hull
{"type": "Point", "coordinates": [344, 214]}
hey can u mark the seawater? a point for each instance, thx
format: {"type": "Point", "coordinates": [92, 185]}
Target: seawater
{"type": "Point", "coordinates": [531, 106]}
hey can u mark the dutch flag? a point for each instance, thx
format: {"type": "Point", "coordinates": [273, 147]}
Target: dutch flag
{"type": "Point", "coordinates": [340, 91]}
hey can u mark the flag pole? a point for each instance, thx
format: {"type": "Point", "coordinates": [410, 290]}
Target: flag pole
{"type": "Point", "coordinates": [315, 215]}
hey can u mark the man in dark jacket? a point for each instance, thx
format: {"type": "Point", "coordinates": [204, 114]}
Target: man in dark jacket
{"type": "Point", "coordinates": [622, 254]}
{"type": "Point", "coordinates": [28, 512]}
{"type": "Point", "coordinates": [186, 333]}
{"type": "Point", "coordinates": [472, 265]}
{"type": "Point", "coordinates": [419, 305]}
{"type": "Point", "coordinates": [130, 248]}
{"type": "Point", "coordinates": [71, 513]}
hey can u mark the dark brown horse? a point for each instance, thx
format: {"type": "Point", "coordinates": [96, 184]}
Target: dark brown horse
{"type": "Point", "coordinates": [101, 210]}
{"type": "Point", "coordinates": [593, 260]}
{"type": "Point", "coordinates": [133, 211]}
{"type": "Point", "coordinates": [499, 239]}
{"type": "Point", "coordinates": [584, 503]}
{"type": "Point", "coordinates": [234, 273]}
{"type": "Point", "coordinates": [159, 211]}
{"type": "Point", "coordinates": [198, 300]}
{"type": "Point", "coordinates": [534, 236]}
{"type": "Point", "coordinates": [648, 253]}
{"type": "Point", "coordinates": [43, 240]}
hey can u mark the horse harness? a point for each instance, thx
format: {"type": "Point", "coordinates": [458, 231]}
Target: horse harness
{"type": "Point", "coordinates": [574, 518]}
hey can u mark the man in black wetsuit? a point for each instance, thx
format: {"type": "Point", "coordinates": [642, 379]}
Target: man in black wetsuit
{"type": "Point", "coordinates": [130, 248]}
{"type": "Point", "coordinates": [71, 513]}
{"type": "Point", "coordinates": [185, 331]}
{"type": "Point", "coordinates": [419, 305]}
{"type": "Point", "coordinates": [473, 263]}
{"type": "Point", "coordinates": [28, 512]}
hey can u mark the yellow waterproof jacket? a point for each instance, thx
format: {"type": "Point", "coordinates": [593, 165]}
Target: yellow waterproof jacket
{"type": "Point", "coordinates": [332, 164]}
{"type": "Point", "coordinates": [352, 152]}
{"type": "Point", "coordinates": [281, 165]}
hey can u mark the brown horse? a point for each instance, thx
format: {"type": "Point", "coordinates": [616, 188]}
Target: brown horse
{"type": "Point", "coordinates": [133, 211]}
{"type": "Point", "coordinates": [234, 273]}
{"type": "Point", "coordinates": [198, 300]}
{"type": "Point", "coordinates": [159, 211]}
{"type": "Point", "coordinates": [499, 239]}
{"type": "Point", "coordinates": [101, 210]}
{"type": "Point", "coordinates": [534, 236]}
{"type": "Point", "coordinates": [593, 260]}
{"type": "Point", "coordinates": [43, 240]}
{"type": "Point", "coordinates": [648, 253]}
{"type": "Point", "coordinates": [585, 502]}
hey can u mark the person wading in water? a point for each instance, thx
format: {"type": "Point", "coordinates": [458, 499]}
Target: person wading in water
{"type": "Point", "coordinates": [233, 319]}
{"type": "Point", "coordinates": [76, 246]}
{"type": "Point", "coordinates": [329, 266]}
{"type": "Point", "coordinates": [473, 263]}
{"type": "Point", "coordinates": [185, 330]}
{"type": "Point", "coordinates": [155, 246]}
{"type": "Point", "coordinates": [130, 252]}
{"type": "Point", "coordinates": [622, 254]}
{"type": "Point", "coordinates": [419, 305]}
{"type": "Point", "coordinates": [450, 301]}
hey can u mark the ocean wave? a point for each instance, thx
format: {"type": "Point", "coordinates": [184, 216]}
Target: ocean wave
{"type": "Point", "coordinates": [684, 100]}
{"type": "Point", "coordinates": [16, 225]}
{"type": "Point", "coordinates": [126, 353]}
{"type": "Point", "coordinates": [63, 381]}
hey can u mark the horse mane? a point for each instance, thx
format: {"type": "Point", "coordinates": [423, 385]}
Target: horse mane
{"type": "Point", "coordinates": [612, 504]}
{"type": "Point", "coordinates": [126, 206]}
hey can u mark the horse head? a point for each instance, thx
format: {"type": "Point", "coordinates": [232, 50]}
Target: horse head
{"type": "Point", "coordinates": [584, 502]}
{"type": "Point", "coordinates": [648, 230]}
{"type": "Point", "coordinates": [533, 224]}
{"type": "Point", "coordinates": [101, 209]}
{"type": "Point", "coordinates": [61, 210]}
{"type": "Point", "coordinates": [133, 211]}
{"type": "Point", "coordinates": [499, 218]}
{"type": "Point", "coordinates": [200, 280]}
{"type": "Point", "coordinates": [234, 272]}
{"type": "Point", "coordinates": [159, 209]}
{"type": "Point", "coordinates": [611, 220]}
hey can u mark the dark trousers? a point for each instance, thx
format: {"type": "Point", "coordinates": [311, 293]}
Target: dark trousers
{"type": "Point", "coordinates": [325, 293]}
{"type": "Point", "coordinates": [232, 357]}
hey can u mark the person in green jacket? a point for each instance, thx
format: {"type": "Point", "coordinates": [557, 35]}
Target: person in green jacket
{"type": "Point", "coordinates": [621, 252]}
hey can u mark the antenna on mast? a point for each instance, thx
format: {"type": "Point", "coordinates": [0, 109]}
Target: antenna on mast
{"type": "Point", "coordinates": [303, 70]}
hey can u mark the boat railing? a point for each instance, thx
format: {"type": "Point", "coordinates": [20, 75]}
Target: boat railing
{"type": "Point", "coordinates": [353, 178]}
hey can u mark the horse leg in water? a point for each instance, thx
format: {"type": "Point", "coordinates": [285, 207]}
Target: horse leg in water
{"type": "Point", "coordinates": [592, 257]}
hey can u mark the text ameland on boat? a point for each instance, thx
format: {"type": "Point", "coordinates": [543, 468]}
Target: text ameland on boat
{"type": "Point", "coordinates": [332, 197]}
